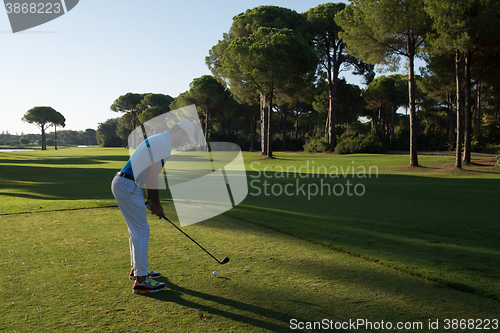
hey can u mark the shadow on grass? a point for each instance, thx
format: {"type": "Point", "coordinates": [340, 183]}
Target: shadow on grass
{"type": "Point", "coordinates": [53, 160]}
{"type": "Point", "coordinates": [36, 182]}
{"type": "Point", "coordinates": [175, 292]}
{"type": "Point", "coordinates": [437, 228]}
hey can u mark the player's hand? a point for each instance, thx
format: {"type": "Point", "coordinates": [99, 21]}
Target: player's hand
{"type": "Point", "coordinates": [158, 210]}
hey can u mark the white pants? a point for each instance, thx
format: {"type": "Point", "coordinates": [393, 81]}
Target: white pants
{"type": "Point", "coordinates": [130, 199]}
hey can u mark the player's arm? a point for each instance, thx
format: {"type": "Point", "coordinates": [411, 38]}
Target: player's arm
{"type": "Point", "coordinates": [152, 191]}
{"type": "Point", "coordinates": [153, 195]}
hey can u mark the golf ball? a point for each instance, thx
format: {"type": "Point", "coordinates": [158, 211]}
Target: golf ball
{"type": "Point", "coordinates": [215, 273]}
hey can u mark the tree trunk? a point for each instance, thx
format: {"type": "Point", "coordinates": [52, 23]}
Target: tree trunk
{"type": "Point", "coordinates": [468, 113]}
{"type": "Point", "coordinates": [380, 123]}
{"type": "Point", "coordinates": [393, 111]}
{"type": "Point", "coordinates": [332, 93]}
{"type": "Point", "coordinates": [44, 143]}
{"type": "Point", "coordinates": [498, 119]}
{"type": "Point", "coordinates": [478, 108]}
{"type": "Point", "coordinates": [449, 125]}
{"type": "Point", "coordinates": [55, 137]}
{"type": "Point", "coordinates": [207, 120]}
{"type": "Point", "coordinates": [134, 115]}
{"type": "Point", "coordinates": [327, 128]}
{"type": "Point", "coordinates": [406, 119]}
{"type": "Point", "coordinates": [263, 124]}
{"type": "Point", "coordinates": [458, 74]}
{"type": "Point", "coordinates": [411, 90]}
{"type": "Point", "coordinates": [297, 126]}
{"type": "Point", "coordinates": [252, 132]}
{"type": "Point", "coordinates": [283, 124]}
{"type": "Point", "coordinates": [374, 122]}
{"type": "Point", "coordinates": [269, 136]}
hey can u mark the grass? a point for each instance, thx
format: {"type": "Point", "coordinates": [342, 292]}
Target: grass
{"type": "Point", "coordinates": [68, 178]}
{"type": "Point", "coordinates": [430, 236]}
{"type": "Point", "coordinates": [440, 226]}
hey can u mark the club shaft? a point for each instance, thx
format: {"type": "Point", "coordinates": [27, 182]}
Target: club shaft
{"type": "Point", "coordinates": [191, 239]}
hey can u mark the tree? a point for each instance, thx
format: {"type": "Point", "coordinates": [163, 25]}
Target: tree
{"type": "Point", "coordinates": [24, 141]}
{"type": "Point", "coordinates": [184, 99]}
{"type": "Point", "coordinates": [462, 27]}
{"type": "Point", "coordinates": [58, 120]}
{"type": "Point", "coordinates": [211, 98]}
{"type": "Point", "coordinates": [124, 128]}
{"type": "Point", "coordinates": [89, 136]}
{"type": "Point", "coordinates": [244, 26]}
{"type": "Point", "coordinates": [129, 103]}
{"type": "Point", "coordinates": [70, 137]}
{"type": "Point", "coordinates": [384, 96]}
{"type": "Point", "coordinates": [332, 54]}
{"type": "Point", "coordinates": [492, 98]}
{"type": "Point", "coordinates": [43, 117]}
{"type": "Point", "coordinates": [153, 106]}
{"type": "Point", "coordinates": [491, 119]}
{"type": "Point", "coordinates": [439, 85]}
{"type": "Point", "coordinates": [349, 101]}
{"type": "Point", "coordinates": [383, 31]}
{"type": "Point", "coordinates": [297, 91]}
{"type": "Point", "coordinates": [378, 97]}
{"type": "Point", "coordinates": [248, 23]}
{"type": "Point", "coordinates": [268, 60]}
{"type": "Point", "coordinates": [250, 113]}
{"type": "Point", "coordinates": [106, 133]}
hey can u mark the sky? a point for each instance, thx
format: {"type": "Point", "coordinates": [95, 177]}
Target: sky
{"type": "Point", "coordinates": [81, 62]}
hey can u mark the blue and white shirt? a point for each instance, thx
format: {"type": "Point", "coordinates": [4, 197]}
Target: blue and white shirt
{"type": "Point", "coordinates": [157, 147]}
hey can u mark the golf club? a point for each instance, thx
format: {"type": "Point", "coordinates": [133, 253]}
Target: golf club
{"type": "Point", "coordinates": [224, 261]}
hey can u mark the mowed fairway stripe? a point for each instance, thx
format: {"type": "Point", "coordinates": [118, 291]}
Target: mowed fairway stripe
{"type": "Point", "coordinates": [68, 271]}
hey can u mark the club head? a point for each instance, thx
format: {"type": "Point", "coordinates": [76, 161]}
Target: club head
{"type": "Point", "coordinates": [225, 260]}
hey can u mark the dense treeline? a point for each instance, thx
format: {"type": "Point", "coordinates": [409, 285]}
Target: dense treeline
{"type": "Point", "coordinates": [64, 137]}
{"type": "Point", "coordinates": [275, 80]}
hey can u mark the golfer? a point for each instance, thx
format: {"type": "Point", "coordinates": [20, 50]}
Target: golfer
{"type": "Point", "coordinates": [143, 169]}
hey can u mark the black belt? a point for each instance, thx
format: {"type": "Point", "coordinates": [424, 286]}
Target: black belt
{"type": "Point", "coordinates": [125, 175]}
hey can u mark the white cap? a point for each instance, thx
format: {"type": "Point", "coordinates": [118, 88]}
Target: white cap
{"type": "Point", "coordinates": [188, 127]}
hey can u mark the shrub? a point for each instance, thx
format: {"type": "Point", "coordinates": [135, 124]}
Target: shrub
{"type": "Point", "coordinates": [24, 141]}
{"type": "Point", "coordinates": [316, 144]}
{"type": "Point", "coordinates": [351, 143]}
{"type": "Point", "coordinates": [291, 144]}
{"type": "Point", "coordinates": [295, 144]}
{"type": "Point", "coordinates": [243, 143]}
{"type": "Point", "coordinates": [432, 141]}
{"type": "Point", "coordinates": [488, 149]}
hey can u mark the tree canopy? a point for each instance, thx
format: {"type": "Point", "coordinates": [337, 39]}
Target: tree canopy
{"type": "Point", "coordinates": [44, 117]}
{"type": "Point", "coordinates": [131, 103]}
{"type": "Point", "coordinates": [332, 55]}
{"type": "Point", "coordinates": [153, 106]}
{"type": "Point", "coordinates": [381, 32]}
